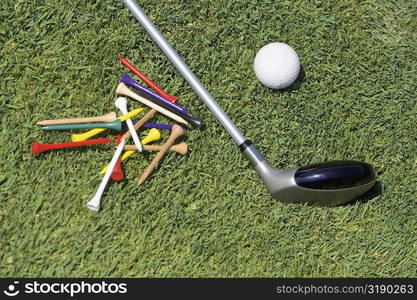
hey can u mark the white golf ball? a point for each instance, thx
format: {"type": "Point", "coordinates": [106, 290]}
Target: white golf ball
{"type": "Point", "coordinates": [277, 65]}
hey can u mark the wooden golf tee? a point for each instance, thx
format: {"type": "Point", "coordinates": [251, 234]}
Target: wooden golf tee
{"type": "Point", "coordinates": [123, 90]}
{"type": "Point", "coordinates": [153, 111]}
{"type": "Point", "coordinates": [104, 118]}
{"type": "Point", "coordinates": [176, 132]}
{"type": "Point", "coordinates": [147, 116]}
{"type": "Point", "coordinates": [139, 123]}
{"type": "Point", "coordinates": [181, 148]}
{"type": "Point", "coordinates": [161, 101]}
{"type": "Point", "coordinates": [152, 136]}
{"type": "Point", "coordinates": [86, 135]}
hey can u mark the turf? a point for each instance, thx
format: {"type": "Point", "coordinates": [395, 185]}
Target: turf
{"type": "Point", "coordinates": [208, 214]}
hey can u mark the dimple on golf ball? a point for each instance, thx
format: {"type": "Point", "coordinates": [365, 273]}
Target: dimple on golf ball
{"type": "Point", "coordinates": [277, 65]}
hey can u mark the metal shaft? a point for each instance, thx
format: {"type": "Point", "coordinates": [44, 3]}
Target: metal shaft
{"type": "Point", "coordinates": [195, 83]}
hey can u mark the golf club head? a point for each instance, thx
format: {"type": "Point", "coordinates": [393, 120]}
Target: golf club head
{"type": "Point", "coordinates": [324, 184]}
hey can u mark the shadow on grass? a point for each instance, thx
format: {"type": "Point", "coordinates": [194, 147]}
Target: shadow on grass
{"type": "Point", "coordinates": [376, 190]}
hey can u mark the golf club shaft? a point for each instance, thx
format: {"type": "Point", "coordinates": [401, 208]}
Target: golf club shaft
{"type": "Point", "coordinates": [244, 144]}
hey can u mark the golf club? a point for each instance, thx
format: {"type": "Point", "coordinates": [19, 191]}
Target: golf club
{"type": "Point", "coordinates": [326, 184]}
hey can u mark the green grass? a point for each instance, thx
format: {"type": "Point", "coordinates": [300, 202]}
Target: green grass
{"type": "Point", "coordinates": [208, 214]}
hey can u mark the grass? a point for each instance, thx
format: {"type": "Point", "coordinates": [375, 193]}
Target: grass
{"type": "Point", "coordinates": [208, 214]}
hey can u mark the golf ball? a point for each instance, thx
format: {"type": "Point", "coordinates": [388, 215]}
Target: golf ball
{"type": "Point", "coordinates": [277, 65]}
